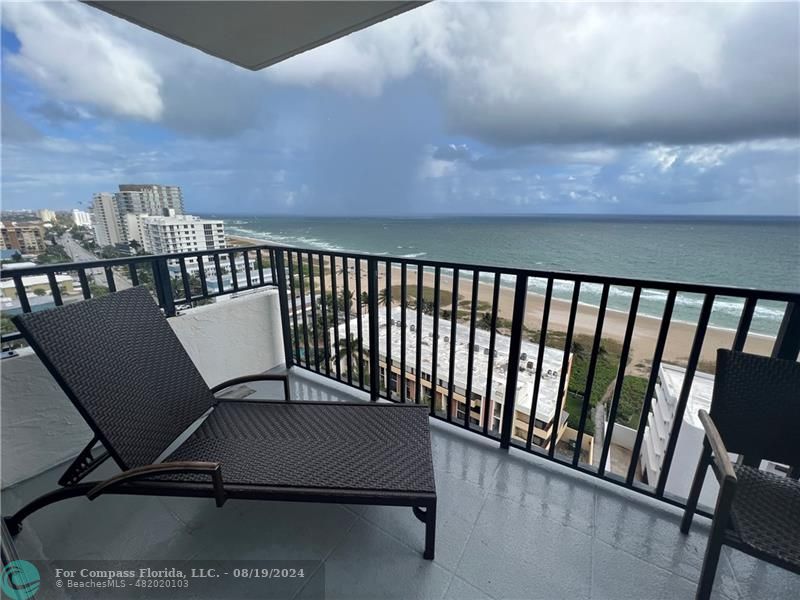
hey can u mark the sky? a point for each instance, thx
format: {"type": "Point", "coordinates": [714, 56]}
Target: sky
{"type": "Point", "coordinates": [449, 109]}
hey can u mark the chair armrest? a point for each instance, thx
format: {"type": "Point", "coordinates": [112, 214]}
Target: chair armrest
{"type": "Point", "coordinates": [210, 468]}
{"type": "Point", "coordinates": [260, 377]}
{"type": "Point", "coordinates": [720, 454]}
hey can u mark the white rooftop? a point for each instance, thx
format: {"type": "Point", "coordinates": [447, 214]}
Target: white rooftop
{"type": "Point", "coordinates": [551, 365]}
{"type": "Point", "coordinates": [34, 280]}
{"type": "Point", "coordinates": [672, 377]}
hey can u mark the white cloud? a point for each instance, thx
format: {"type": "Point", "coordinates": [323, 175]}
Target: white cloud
{"type": "Point", "coordinates": [77, 60]}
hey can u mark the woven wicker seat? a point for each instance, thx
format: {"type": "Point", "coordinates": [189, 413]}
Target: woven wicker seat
{"type": "Point", "coordinates": [754, 413]}
{"type": "Point", "coordinates": [766, 513]}
{"type": "Point", "coordinates": [122, 366]}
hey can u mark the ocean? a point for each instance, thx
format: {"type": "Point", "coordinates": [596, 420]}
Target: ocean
{"type": "Point", "coordinates": [761, 253]}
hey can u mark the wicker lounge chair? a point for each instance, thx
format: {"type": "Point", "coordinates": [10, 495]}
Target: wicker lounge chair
{"type": "Point", "coordinates": [126, 372]}
{"type": "Point", "coordinates": [755, 412]}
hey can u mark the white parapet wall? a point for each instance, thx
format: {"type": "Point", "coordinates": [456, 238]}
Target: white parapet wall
{"type": "Point", "coordinates": [41, 428]}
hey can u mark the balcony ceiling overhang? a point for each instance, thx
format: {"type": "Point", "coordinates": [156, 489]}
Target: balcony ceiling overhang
{"type": "Point", "coordinates": [254, 35]}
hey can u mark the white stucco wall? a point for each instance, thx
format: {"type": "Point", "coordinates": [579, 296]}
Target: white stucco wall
{"type": "Point", "coordinates": [41, 428]}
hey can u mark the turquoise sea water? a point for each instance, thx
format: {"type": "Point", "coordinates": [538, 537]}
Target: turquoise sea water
{"type": "Point", "coordinates": [759, 253]}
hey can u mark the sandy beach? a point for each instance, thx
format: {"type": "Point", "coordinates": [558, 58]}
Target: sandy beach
{"type": "Point", "coordinates": [679, 339]}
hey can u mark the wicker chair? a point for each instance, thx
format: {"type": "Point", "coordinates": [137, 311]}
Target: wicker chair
{"type": "Point", "coordinates": [124, 369]}
{"type": "Point", "coordinates": [755, 413]}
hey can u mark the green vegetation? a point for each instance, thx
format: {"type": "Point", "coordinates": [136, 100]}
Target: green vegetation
{"type": "Point", "coordinates": [630, 400]}
{"type": "Point", "coordinates": [445, 296]}
{"type": "Point", "coordinates": [53, 254]}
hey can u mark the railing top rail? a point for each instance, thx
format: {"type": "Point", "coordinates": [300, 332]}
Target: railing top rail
{"type": "Point", "coordinates": [666, 285]}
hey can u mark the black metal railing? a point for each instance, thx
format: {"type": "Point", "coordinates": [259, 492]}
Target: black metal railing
{"type": "Point", "coordinates": [343, 313]}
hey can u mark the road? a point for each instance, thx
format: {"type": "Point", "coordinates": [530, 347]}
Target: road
{"type": "Point", "coordinates": [80, 254]}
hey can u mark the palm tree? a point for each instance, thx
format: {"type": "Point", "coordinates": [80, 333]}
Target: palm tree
{"type": "Point", "coordinates": [383, 296]}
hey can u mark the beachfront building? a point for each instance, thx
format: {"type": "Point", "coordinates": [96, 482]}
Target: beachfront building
{"type": "Point", "coordinates": [25, 236]}
{"type": "Point", "coordinates": [479, 407]}
{"type": "Point", "coordinates": [690, 437]}
{"type": "Point", "coordinates": [180, 233]}
{"type": "Point", "coordinates": [81, 218]}
{"type": "Point", "coordinates": [111, 212]}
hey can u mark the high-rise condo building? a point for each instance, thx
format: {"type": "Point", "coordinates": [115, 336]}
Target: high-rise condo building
{"type": "Point", "coordinates": [111, 212]}
{"type": "Point", "coordinates": [81, 218]}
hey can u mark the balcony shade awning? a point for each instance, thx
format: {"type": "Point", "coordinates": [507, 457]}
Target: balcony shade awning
{"type": "Point", "coordinates": [254, 35]}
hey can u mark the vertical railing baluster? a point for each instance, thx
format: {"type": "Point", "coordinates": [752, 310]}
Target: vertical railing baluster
{"type": "Point", "coordinates": [452, 358]}
{"type": "Point", "coordinates": [201, 273]}
{"type": "Point", "coordinates": [87, 291]}
{"type": "Point", "coordinates": [744, 324]}
{"type": "Point", "coordinates": [683, 398]}
{"type": "Point", "coordinates": [359, 326]}
{"type": "Point", "coordinates": [218, 272]}
{"type": "Point", "coordinates": [112, 285]}
{"type": "Point", "coordinates": [335, 301]}
{"type": "Point", "coordinates": [348, 341]}
{"type": "Point", "coordinates": [272, 266]}
{"type": "Point", "coordinates": [661, 341]}
{"type": "Point", "coordinates": [312, 293]}
{"type": "Point", "coordinates": [620, 381]}
{"type": "Point", "coordinates": [293, 296]}
{"type": "Point", "coordinates": [22, 294]}
{"type": "Point", "coordinates": [260, 261]}
{"type": "Point", "coordinates": [374, 338]}
{"type": "Point", "coordinates": [283, 301]}
{"type": "Point", "coordinates": [562, 384]}
{"type": "Point", "coordinates": [787, 343]}
{"type": "Point", "coordinates": [234, 274]}
{"type": "Point", "coordinates": [54, 289]}
{"type": "Point", "coordinates": [435, 348]}
{"type": "Point", "coordinates": [587, 388]}
{"type": "Point", "coordinates": [471, 352]}
{"type": "Point", "coordinates": [133, 273]}
{"type": "Point", "coordinates": [326, 336]}
{"type": "Point", "coordinates": [403, 292]}
{"type": "Point", "coordinates": [388, 306]}
{"type": "Point", "coordinates": [514, 347]}
{"type": "Point", "coordinates": [302, 274]}
{"type": "Point", "coordinates": [487, 396]}
{"type": "Point", "coordinates": [247, 276]}
{"type": "Point", "coordinates": [187, 289]}
{"type": "Point", "coordinates": [548, 296]}
{"type": "Point", "coordinates": [163, 283]}
{"type": "Point", "coordinates": [418, 357]}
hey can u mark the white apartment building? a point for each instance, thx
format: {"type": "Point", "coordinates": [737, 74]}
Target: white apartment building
{"type": "Point", "coordinates": [46, 215]}
{"type": "Point", "coordinates": [149, 199]}
{"type": "Point", "coordinates": [526, 377]}
{"type": "Point", "coordinates": [690, 437]}
{"type": "Point", "coordinates": [181, 233]}
{"type": "Point", "coordinates": [81, 218]}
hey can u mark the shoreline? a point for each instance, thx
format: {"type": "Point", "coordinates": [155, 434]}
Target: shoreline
{"type": "Point", "coordinates": [645, 332]}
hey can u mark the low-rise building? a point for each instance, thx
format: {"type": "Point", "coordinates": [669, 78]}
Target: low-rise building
{"type": "Point", "coordinates": [25, 236]}
{"type": "Point", "coordinates": [37, 285]}
{"type": "Point", "coordinates": [81, 218]}
{"type": "Point", "coordinates": [480, 406]}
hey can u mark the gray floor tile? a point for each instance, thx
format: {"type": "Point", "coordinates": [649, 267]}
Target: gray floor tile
{"type": "Point", "coordinates": [554, 494]}
{"type": "Point", "coordinates": [371, 564]}
{"type": "Point", "coordinates": [464, 455]}
{"type": "Point", "coordinates": [461, 590]}
{"type": "Point", "coordinates": [758, 579]}
{"type": "Point", "coordinates": [513, 552]}
{"type": "Point", "coordinates": [459, 504]}
{"type": "Point", "coordinates": [652, 533]}
{"type": "Point", "coordinates": [617, 575]}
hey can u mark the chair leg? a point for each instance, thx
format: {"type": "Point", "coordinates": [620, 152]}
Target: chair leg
{"type": "Point", "coordinates": [697, 486]}
{"type": "Point", "coordinates": [709, 570]}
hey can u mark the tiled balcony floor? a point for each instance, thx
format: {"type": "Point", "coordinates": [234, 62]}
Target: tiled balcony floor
{"type": "Point", "coordinates": [509, 526]}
